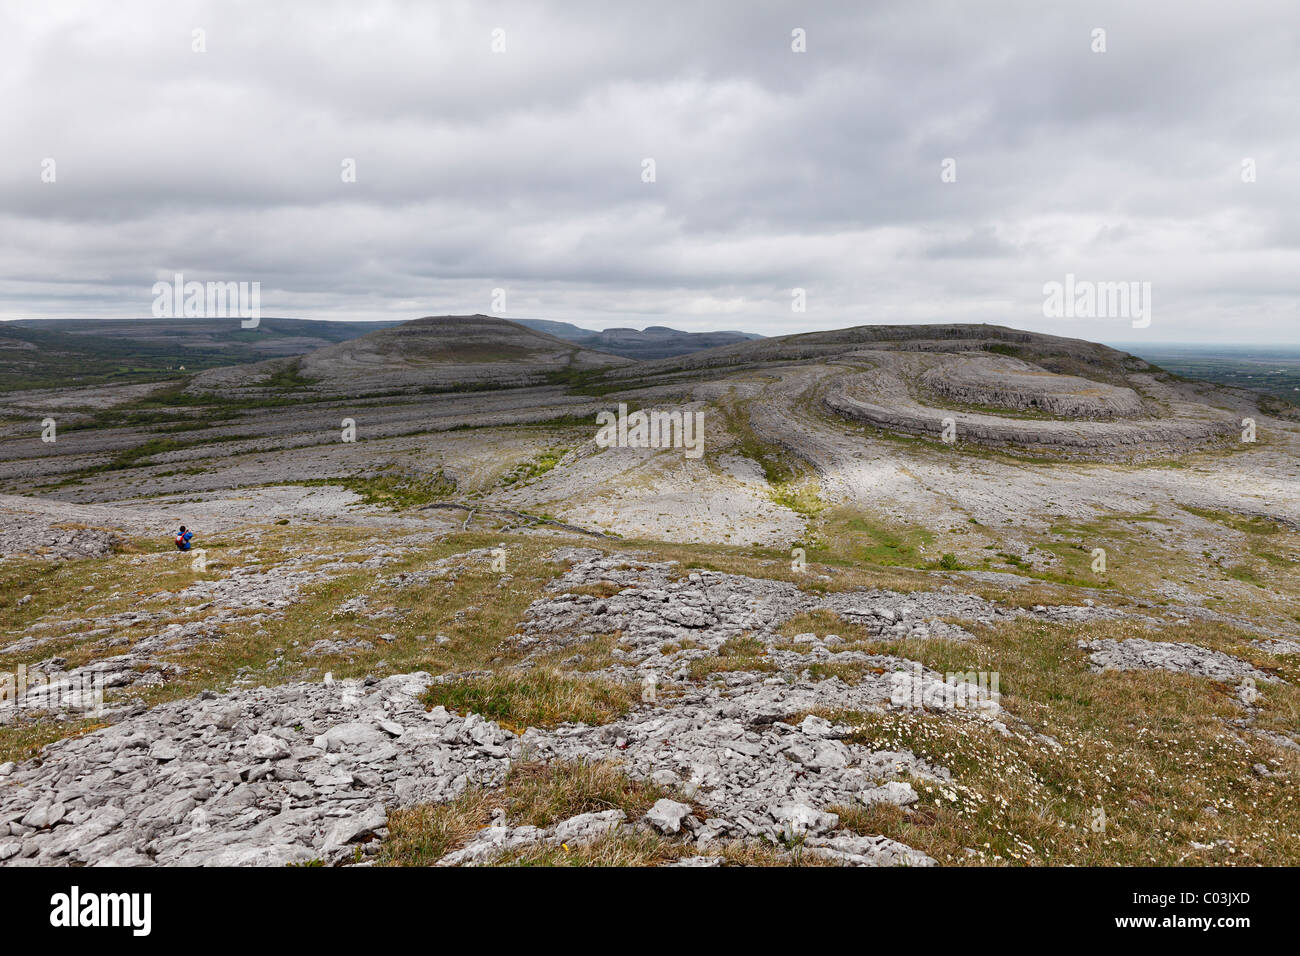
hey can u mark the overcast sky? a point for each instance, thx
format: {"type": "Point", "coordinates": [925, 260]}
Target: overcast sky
{"type": "Point", "coordinates": [774, 169]}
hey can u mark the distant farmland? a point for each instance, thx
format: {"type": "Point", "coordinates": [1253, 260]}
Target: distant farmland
{"type": "Point", "coordinates": [1274, 370]}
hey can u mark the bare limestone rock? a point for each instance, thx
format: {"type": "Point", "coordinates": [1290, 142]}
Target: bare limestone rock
{"type": "Point", "coordinates": [1138, 654]}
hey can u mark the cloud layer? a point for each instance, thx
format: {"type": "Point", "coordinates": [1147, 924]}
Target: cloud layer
{"type": "Point", "coordinates": [522, 170]}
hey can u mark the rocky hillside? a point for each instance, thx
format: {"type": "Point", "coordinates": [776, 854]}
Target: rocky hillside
{"type": "Point", "coordinates": [985, 384]}
{"type": "Point", "coordinates": [463, 631]}
{"type": "Point", "coordinates": [1055, 353]}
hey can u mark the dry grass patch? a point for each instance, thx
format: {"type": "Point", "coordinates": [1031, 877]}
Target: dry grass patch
{"type": "Point", "coordinates": [421, 836]}
{"type": "Point", "coordinates": [621, 848]}
{"type": "Point", "coordinates": [1046, 593]}
{"type": "Point", "coordinates": [601, 589]}
{"type": "Point", "coordinates": [22, 741]}
{"type": "Point", "coordinates": [756, 853]}
{"type": "Point", "coordinates": [822, 622]}
{"type": "Point", "coordinates": [475, 611]}
{"type": "Point", "coordinates": [744, 653]}
{"type": "Point", "coordinates": [629, 848]}
{"type": "Point", "coordinates": [541, 794]}
{"type": "Point", "coordinates": [596, 654]}
{"type": "Point", "coordinates": [56, 587]}
{"type": "Point", "coordinates": [828, 670]}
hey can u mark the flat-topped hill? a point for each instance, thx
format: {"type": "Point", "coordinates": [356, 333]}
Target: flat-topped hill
{"type": "Point", "coordinates": [434, 352]}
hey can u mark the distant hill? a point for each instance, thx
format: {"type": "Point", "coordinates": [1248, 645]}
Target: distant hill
{"type": "Point", "coordinates": [1058, 354]}
{"type": "Point", "coordinates": [38, 353]}
{"type": "Point", "coordinates": [654, 342]}
{"type": "Point", "coordinates": [447, 352]}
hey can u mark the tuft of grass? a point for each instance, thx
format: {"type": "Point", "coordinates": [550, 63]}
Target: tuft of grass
{"type": "Point", "coordinates": [536, 698]}
{"type": "Point", "coordinates": [1244, 573]}
{"type": "Point", "coordinates": [603, 589]}
{"type": "Point", "coordinates": [744, 653]}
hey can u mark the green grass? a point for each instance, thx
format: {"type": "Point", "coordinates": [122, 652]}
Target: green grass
{"type": "Point", "coordinates": [791, 482]}
{"type": "Point", "coordinates": [803, 498]}
{"type": "Point", "coordinates": [534, 468]}
{"type": "Point", "coordinates": [398, 492]}
{"type": "Point", "coordinates": [1248, 524]}
{"type": "Point", "coordinates": [1244, 573]}
{"type": "Point", "coordinates": [854, 538]}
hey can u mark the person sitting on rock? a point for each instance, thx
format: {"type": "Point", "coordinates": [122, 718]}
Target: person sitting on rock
{"type": "Point", "coordinates": [183, 539]}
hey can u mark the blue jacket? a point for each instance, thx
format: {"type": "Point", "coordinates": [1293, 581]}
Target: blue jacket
{"type": "Point", "coordinates": [183, 540]}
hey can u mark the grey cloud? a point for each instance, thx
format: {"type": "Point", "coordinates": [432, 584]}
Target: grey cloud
{"type": "Point", "coordinates": [522, 170]}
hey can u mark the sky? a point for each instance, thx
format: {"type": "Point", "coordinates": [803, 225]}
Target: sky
{"type": "Point", "coordinates": [899, 162]}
